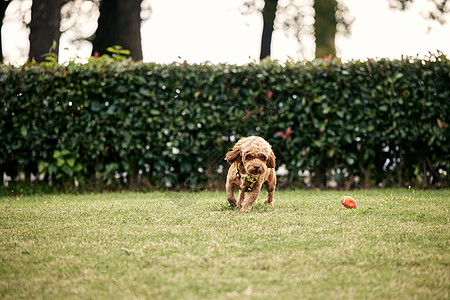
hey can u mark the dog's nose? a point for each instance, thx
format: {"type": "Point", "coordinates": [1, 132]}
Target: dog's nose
{"type": "Point", "coordinates": [256, 167]}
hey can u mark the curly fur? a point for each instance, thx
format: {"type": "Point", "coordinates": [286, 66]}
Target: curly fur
{"type": "Point", "coordinates": [251, 157]}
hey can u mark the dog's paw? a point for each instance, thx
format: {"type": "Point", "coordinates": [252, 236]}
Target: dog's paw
{"type": "Point", "coordinates": [232, 202]}
{"type": "Point", "coordinates": [245, 209]}
{"type": "Point", "coordinates": [268, 203]}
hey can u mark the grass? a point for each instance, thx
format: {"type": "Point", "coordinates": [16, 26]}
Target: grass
{"type": "Point", "coordinates": [192, 245]}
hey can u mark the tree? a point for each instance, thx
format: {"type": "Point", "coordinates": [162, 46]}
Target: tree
{"type": "Point", "coordinates": [269, 12]}
{"type": "Point", "coordinates": [440, 9]}
{"type": "Point", "coordinates": [325, 27]}
{"type": "Point", "coordinates": [119, 24]}
{"type": "Point", "coordinates": [44, 27]}
{"type": "Point", "coordinates": [330, 17]}
{"type": "Point", "coordinates": [295, 19]}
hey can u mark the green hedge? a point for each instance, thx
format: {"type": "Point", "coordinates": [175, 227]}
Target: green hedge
{"type": "Point", "coordinates": [119, 123]}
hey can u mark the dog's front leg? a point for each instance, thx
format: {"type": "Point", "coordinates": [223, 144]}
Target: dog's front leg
{"type": "Point", "coordinates": [252, 196]}
{"type": "Point", "coordinates": [269, 200]}
{"type": "Point", "coordinates": [270, 191]}
{"type": "Point", "coordinates": [241, 197]}
{"type": "Point", "coordinates": [230, 195]}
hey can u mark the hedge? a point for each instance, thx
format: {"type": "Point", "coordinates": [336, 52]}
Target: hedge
{"type": "Point", "coordinates": [109, 123]}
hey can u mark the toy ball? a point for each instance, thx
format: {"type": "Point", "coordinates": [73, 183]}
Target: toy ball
{"type": "Point", "coordinates": [349, 202]}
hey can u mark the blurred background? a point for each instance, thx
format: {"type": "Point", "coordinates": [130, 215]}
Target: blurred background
{"type": "Point", "coordinates": [224, 31]}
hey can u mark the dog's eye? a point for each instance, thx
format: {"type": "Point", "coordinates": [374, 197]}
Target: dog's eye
{"type": "Point", "coordinates": [262, 157]}
{"type": "Point", "coordinates": [249, 157]}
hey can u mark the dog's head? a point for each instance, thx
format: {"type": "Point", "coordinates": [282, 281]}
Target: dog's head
{"type": "Point", "coordinates": [252, 154]}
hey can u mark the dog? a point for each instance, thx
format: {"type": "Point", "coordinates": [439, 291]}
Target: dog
{"type": "Point", "coordinates": [252, 164]}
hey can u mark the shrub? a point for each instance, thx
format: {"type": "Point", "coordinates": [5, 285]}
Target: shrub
{"type": "Point", "coordinates": [114, 123]}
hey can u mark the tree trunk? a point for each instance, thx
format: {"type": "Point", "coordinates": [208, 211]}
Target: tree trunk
{"type": "Point", "coordinates": [119, 24]}
{"type": "Point", "coordinates": [269, 12]}
{"type": "Point", "coordinates": [325, 27]}
{"type": "Point", "coordinates": [44, 27]}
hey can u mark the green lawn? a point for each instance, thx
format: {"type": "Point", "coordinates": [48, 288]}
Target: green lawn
{"type": "Point", "coordinates": [193, 245]}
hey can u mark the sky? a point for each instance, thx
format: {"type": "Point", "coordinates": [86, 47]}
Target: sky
{"type": "Point", "coordinates": [216, 31]}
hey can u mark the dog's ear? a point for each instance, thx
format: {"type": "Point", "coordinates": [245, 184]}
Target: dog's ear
{"type": "Point", "coordinates": [271, 160]}
{"type": "Point", "coordinates": [233, 155]}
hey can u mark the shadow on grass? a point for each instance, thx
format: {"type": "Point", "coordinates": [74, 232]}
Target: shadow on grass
{"type": "Point", "coordinates": [258, 207]}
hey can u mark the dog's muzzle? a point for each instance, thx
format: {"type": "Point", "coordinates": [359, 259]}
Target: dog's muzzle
{"type": "Point", "coordinates": [256, 169]}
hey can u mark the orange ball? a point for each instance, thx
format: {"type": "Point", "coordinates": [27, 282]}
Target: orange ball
{"type": "Point", "coordinates": [349, 202]}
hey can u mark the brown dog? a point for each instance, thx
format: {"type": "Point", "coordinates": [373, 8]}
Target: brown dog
{"type": "Point", "coordinates": [252, 165]}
